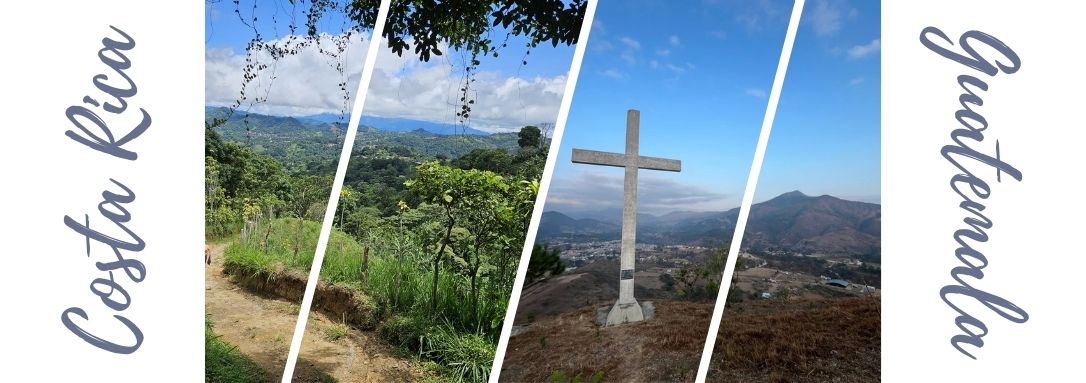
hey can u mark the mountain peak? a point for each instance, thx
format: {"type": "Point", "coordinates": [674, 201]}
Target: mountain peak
{"type": "Point", "coordinates": [792, 194]}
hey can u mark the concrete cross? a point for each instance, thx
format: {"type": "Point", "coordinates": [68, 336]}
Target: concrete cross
{"type": "Point", "coordinates": [627, 309]}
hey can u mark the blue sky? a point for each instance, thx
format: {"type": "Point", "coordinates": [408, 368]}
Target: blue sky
{"type": "Point", "coordinates": [700, 75]}
{"type": "Point", "coordinates": [509, 95]}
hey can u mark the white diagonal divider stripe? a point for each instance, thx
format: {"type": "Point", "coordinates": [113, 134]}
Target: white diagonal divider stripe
{"type": "Point", "coordinates": [541, 198]}
{"type": "Point", "coordinates": [333, 199]}
{"type": "Point", "coordinates": [748, 194]}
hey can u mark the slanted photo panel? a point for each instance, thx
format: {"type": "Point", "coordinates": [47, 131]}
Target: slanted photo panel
{"type": "Point", "coordinates": [438, 190]}
{"type": "Point", "coordinates": [642, 204]}
{"type": "Point", "coordinates": [804, 304]}
{"type": "Point", "coordinates": [280, 80]}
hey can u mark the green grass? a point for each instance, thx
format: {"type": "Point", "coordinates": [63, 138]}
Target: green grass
{"type": "Point", "coordinates": [398, 279]}
{"type": "Point", "coordinates": [336, 331]}
{"type": "Point", "coordinates": [461, 344]}
{"type": "Point", "coordinates": [255, 255]}
{"type": "Point", "coordinates": [465, 357]}
{"type": "Point", "coordinates": [223, 363]}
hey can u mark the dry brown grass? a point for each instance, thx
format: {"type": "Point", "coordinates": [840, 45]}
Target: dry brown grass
{"type": "Point", "coordinates": [836, 340]}
{"type": "Point", "coordinates": [664, 349]}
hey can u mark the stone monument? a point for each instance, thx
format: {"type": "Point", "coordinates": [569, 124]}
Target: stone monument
{"type": "Point", "coordinates": [627, 309]}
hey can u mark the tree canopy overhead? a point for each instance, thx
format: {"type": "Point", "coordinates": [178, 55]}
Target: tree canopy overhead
{"type": "Point", "coordinates": [467, 24]}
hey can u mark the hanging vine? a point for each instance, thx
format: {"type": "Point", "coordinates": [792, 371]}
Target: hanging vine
{"type": "Point", "coordinates": [423, 27]}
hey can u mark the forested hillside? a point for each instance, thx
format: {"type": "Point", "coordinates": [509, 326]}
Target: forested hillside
{"type": "Point", "coordinates": [429, 228]}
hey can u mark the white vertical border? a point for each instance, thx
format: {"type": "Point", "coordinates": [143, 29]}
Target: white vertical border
{"type": "Point", "coordinates": [333, 199]}
{"type": "Point", "coordinates": [544, 187]}
{"type": "Point", "coordinates": [748, 194]}
{"type": "Point", "coordinates": [47, 176]}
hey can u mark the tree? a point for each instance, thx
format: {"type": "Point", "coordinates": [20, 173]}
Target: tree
{"type": "Point", "coordinates": [529, 137]}
{"type": "Point", "coordinates": [485, 212]}
{"type": "Point", "coordinates": [490, 212]}
{"type": "Point", "coordinates": [702, 281]}
{"type": "Point", "coordinates": [440, 185]}
{"type": "Point", "coordinates": [496, 160]}
{"type": "Point", "coordinates": [308, 193]}
{"type": "Point", "coordinates": [466, 24]}
{"type": "Point", "coordinates": [212, 191]}
{"type": "Point", "coordinates": [348, 197]}
{"type": "Point", "coordinates": [545, 261]}
{"type": "Point", "coordinates": [667, 281]}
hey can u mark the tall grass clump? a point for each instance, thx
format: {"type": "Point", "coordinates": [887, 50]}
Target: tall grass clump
{"type": "Point", "coordinates": [467, 357]}
{"type": "Point", "coordinates": [291, 244]}
{"type": "Point", "coordinates": [223, 363]}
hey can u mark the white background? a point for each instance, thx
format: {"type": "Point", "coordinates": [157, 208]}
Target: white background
{"type": "Point", "coordinates": [1034, 251]}
{"type": "Point", "coordinates": [49, 61]}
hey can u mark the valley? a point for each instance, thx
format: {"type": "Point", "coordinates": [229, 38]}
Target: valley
{"type": "Point", "coordinates": [795, 245]}
{"type": "Point", "coordinates": [804, 258]}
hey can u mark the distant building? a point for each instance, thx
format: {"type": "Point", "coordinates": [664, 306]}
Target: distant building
{"type": "Point", "coordinates": [766, 295]}
{"type": "Point", "coordinates": [838, 283]}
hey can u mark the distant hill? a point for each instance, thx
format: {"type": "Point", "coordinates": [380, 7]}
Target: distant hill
{"type": "Point", "coordinates": [300, 142]}
{"type": "Point", "coordinates": [407, 125]}
{"type": "Point", "coordinates": [792, 221]}
{"type": "Point", "coordinates": [824, 224]}
{"type": "Point", "coordinates": [327, 118]}
{"type": "Point", "coordinates": [554, 224]}
{"type": "Point", "coordinates": [386, 124]}
{"type": "Point", "coordinates": [431, 144]}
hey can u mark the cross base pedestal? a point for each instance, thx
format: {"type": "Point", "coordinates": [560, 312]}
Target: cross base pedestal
{"type": "Point", "coordinates": [627, 312]}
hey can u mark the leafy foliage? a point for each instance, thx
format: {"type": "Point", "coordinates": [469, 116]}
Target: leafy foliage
{"type": "Point", "coordinates": [701, 281]}
{"type": "Point", "coordinates": [544, 262]}
{"type": "Point", "coordinates": [444, 255]}
{"type": "Point", "coordinates": [432, 242]}
{"type": "Point", "coordinates": [529, 137]}
{"type": "Point", "coordinates": [466, 24]}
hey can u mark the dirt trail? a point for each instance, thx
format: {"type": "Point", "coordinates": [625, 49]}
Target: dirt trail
{"type": "Point", "coordinates": [262, 326]}
{"type": "Point", "coordinates": [357, 357]}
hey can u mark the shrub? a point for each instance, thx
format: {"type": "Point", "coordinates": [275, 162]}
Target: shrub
{"type": "Point", "coordinates": [468, 357]}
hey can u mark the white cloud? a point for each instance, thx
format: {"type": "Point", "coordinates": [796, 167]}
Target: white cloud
{"type": "Point", "coordinates": [592, 190]}
{"type": "Point", "coordinates": [663, 52]}
{"type": "Point", "coordinates": [719, 34]}
{"type": "Point", "coordinates": [598, 28]}
{"type": "Point", "coordinates": [860, 51]}
{"type": "Point", "coordinates": [598, 39]}
{"type": "Point", "coordinates": [754, 15]}
{"type": "Point", "coordinates": [827, 17]}
{"type": "Point", "coordinates": [302, 84]}
{"type": "Point", "coordinates": [674, 40]}
{"type": "Point", "coordinates": [755, 92]}
{"type": "Point", "coordinates": [401, 87]}
{"type": "Point", "coordinates": [856, 81]}
{"type": "Point", "coordinates": [600, 45]}
{"type": "Point", "coordinates": [677, 69]}
{"type": "Point", "coordinates": [629, 54]}
{"type": "Point", "coordinates": [614, 74]}
{"type": "Point", "coordinates": [406, 88]}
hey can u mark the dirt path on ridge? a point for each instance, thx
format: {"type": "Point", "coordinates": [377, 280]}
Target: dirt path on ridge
{"type": "Point", "coordinates": [261, 327]}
